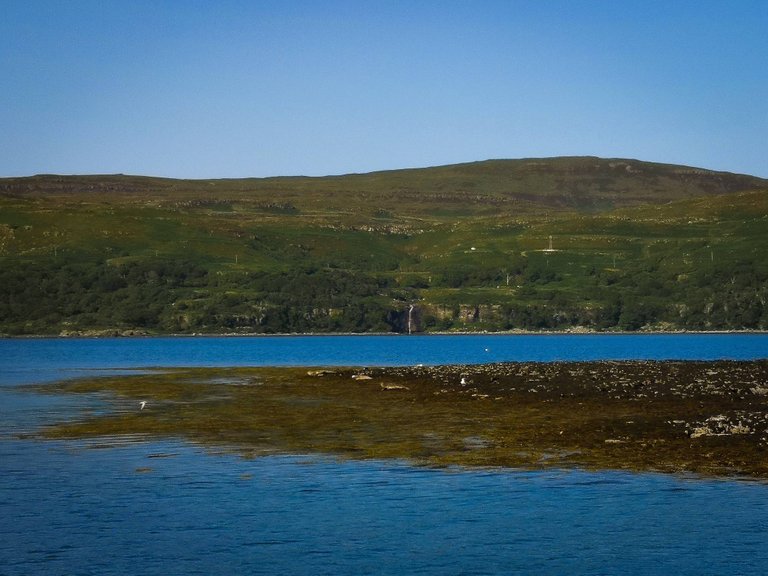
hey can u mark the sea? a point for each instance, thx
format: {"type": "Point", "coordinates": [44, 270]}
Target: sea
{"type": "Point", "coordinates": [148, 506]}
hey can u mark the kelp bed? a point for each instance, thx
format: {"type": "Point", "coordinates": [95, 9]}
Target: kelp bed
{"type": "Point", "coordinates": [702, 417]}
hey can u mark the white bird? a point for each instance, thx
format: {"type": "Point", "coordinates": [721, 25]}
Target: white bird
{"type": "Point", "coordinates": [463, 381]}
{"type": "Point", "coordinates": [142, 404]}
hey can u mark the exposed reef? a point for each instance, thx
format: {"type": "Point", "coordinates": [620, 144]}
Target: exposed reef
{"type": "Point", "coordinates": [702, 417]}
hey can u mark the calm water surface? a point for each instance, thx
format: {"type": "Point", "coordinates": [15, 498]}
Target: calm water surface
{"type": "Point", "coordinates": [135, 506]}
{"type": "Point", "coordinates": [18, 357]}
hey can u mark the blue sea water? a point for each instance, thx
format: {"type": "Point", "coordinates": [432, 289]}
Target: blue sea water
{"type": "Point", "coordinates": [140, 506]}
{"type": "Point", "coordinates": [21, 359]}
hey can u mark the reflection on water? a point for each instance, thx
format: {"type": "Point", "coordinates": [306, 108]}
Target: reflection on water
{"type": "Point", "coordinates": [170, 508]}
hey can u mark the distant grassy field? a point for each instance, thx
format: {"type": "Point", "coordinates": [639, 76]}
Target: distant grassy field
{"type": "Point", "coordinates": [539, 244]}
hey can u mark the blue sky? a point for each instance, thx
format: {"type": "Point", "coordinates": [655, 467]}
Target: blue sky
{"type": "Point", "coordinates": [196, 89]}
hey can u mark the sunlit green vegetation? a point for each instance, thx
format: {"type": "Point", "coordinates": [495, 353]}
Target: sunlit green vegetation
{"type": "Point", "coordinates": [502, 245]}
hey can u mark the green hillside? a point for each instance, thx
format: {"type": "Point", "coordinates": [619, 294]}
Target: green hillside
{"type": "Point", "coordinates": [534, 244]}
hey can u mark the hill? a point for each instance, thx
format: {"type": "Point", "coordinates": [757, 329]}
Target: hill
{"type": "Point", "coordinates": [560, 243]}
{"type": "Point", "coordinates": [581, 183]}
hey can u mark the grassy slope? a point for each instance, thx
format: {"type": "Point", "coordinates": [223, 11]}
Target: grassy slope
{"type": "Point", "coordinates": [452, 238]}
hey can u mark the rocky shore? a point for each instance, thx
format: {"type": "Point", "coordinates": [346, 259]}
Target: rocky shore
{"type": "Point", "coordinates": [701, 417]}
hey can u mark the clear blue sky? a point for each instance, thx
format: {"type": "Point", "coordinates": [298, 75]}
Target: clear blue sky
{"type": "Point", "coordinates": [230, 88]}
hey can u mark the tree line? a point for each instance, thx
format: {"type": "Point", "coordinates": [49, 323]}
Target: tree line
{"type": "Point", "coordinates": [164, 295]}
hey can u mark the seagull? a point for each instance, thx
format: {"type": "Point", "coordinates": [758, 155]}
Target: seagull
{"type": "Point", "coordinates": [142, 404]}
{"type": "Point", "coordinates": [463, 381]}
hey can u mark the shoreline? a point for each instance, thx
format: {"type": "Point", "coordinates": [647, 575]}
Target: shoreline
{"type": "Point", "coordinates": [109, 333]}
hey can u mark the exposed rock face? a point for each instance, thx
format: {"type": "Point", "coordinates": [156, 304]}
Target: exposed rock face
{"type": "Point", "coordinates": [106, 333]}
